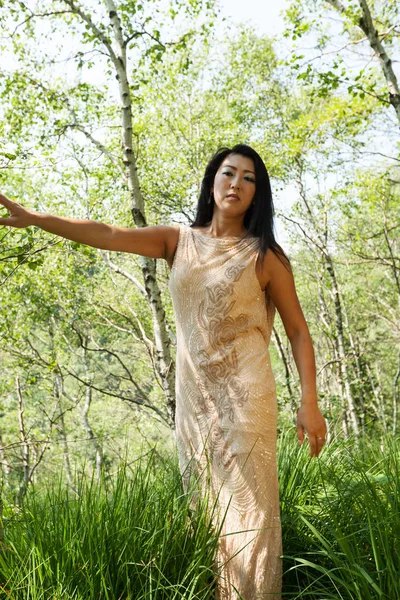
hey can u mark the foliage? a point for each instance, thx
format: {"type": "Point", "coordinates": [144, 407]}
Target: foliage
{"type": "Point", "coordinates": [338, 50]}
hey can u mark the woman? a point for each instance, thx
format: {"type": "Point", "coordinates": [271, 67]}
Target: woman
{"type": "Point", "coordinates": [227, 276]}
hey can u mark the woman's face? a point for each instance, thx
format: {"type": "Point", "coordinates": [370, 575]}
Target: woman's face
{"type": "Point", "coordinates": [234, 185]}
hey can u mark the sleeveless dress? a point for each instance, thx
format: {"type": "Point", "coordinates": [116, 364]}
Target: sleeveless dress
{"type": "Point", "coordinates": [226, 410]}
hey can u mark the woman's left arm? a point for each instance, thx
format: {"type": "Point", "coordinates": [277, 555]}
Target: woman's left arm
{"type": "Point", "coordinates": [281, 288]}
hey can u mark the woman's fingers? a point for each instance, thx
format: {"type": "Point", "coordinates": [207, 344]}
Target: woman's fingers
{"type": "Point", "coordinates": [9, 205]}
{"type": "Point", "coordinates": [317, 442]}
{"type": "Point", "coordinates": [317, 445]}
{"type": "Point", "coordinates": [19, 216]}
{"type": "Point", "coordinates": [300, 433]}
{"type": "Point", "coordinates": [6, 202]}
{"type": "Point", "coordinates": [11, 222]}
{"type": "Point", "coordinates": [311, 421]}
{"type": "Point", "coordinates": [313, 446]}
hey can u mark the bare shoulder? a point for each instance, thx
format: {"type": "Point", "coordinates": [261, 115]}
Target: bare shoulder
{"type": "Point", "coordinates": [273, 267]}
{"type": "Point", "coordinates": [277, 262]}
{"type": "Point", "coordinates": [171, 242]}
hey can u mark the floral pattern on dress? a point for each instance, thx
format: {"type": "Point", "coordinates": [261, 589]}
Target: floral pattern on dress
{"type": "Point", "coordinates": [221, 369]}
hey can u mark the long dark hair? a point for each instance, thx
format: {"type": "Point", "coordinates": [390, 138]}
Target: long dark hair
{"type": "Point", "coordinates": [259, 218]}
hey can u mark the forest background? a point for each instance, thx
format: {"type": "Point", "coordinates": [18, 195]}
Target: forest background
{"type": "Point", "coordinates": [110, 111]}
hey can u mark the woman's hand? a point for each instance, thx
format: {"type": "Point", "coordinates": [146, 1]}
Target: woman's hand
{"type": "Point", "coordinates": [19, 216]}
{"type": "Point", "coordinates": [311, 421]}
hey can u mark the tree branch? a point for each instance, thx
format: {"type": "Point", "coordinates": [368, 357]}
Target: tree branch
{"type": "Point", "coordinates": [120, 271]}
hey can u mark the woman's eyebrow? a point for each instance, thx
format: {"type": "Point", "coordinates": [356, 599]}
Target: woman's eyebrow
{"type": "Point", "coordinates": [245, 170]}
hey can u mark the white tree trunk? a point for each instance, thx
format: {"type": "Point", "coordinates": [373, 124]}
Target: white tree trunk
{"type": "Point", "coordinates": [164, 362]}
{"type": "Point", "coordinates": [367, 25]}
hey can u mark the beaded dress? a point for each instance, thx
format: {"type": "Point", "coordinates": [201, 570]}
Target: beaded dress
{"type": "Point", "coordinates": [226, 411]}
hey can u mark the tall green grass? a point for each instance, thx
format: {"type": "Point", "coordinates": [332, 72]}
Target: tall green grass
{"type": "Point", "coordinates": [138, 536]}
{"type": "Point", "coordinates": [341, 520]}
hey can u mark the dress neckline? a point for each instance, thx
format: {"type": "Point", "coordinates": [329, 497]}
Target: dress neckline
{"type": "Point", "coordinates": [227, 238]}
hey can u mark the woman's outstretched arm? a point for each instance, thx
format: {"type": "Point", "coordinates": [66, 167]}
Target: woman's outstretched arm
{"type": "Point", "coordinates": [153, 241]}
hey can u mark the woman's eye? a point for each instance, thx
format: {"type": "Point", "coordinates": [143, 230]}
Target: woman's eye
{"type": "Point", "coordinates": [247, 178]}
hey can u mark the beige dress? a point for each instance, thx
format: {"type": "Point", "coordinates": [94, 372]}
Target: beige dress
{"type": "Point", "coordinates": [226, 412]}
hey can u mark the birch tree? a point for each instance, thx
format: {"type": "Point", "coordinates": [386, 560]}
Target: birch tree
{"type": "Point", "coordinates": [114, 31]}
{"type": "Point", "coordinates": [365, 21]}
{"type": "Point", "coordinates": [361, 59]}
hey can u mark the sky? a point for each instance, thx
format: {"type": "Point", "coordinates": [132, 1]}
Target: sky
{"type": "Point", "coordinates": [264, 14]}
